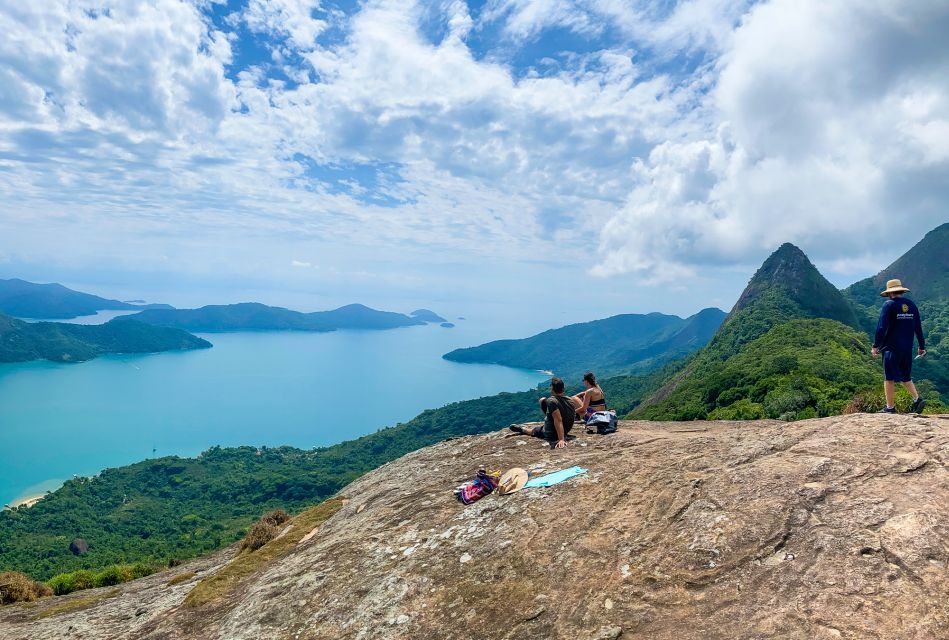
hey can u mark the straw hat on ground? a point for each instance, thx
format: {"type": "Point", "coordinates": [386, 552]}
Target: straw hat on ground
{"type": "Point", "coordinates": [512, 480]}
{"type": "Point", "coordinates": [893, 286]}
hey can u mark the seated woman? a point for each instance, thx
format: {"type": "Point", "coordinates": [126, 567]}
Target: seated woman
{"type": "Point", "coordinates": [592, 399]}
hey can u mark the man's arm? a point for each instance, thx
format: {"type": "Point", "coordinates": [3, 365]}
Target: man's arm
{"type": "Point", "coordinates": [883, 327]}
{"type": "Point", "coordinates": [919, 333]}
{"type": "Point", "coordinates": [558, 428]}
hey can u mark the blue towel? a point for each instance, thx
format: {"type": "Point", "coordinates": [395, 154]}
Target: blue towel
{"type": "Point", "coordinates": [556, 477]}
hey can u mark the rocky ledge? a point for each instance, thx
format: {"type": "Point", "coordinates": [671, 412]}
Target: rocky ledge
{"type": "Point", "coordinates": [832, 528]}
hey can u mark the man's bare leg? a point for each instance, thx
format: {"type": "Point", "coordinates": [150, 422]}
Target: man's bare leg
{"type": "Point", "coordinates": [909, 386]}
{"type": "Point", "coordinates": [889, 390]}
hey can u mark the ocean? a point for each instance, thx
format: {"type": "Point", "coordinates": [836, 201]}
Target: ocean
{"type": "Point", "coordinates": [251, 388]}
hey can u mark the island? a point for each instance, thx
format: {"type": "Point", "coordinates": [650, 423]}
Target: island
{"type": "Point", "coordinates": [253, 316]}
{"type": "Point", "coordinates": [61, 342]}
{"type": "Point", "coordinates": [427, 315]}
{"type": "Point", "coordinates": [23, 299]}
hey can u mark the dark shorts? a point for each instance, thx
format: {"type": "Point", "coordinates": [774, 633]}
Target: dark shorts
{"type": "Point", "coordinates": [898, 366]}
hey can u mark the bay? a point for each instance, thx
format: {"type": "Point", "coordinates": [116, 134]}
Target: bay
{"type": "Point", "coordinates": [251, 388]}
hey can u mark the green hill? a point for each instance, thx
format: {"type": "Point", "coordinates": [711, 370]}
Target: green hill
{"type": "Point", "coordinates": [799, 369]}
{"type": "Point", "coordinates": [253, 316]}
{"type": "Point", "coordinates": [60, 342]}
{"type": "Point", "coordinates": [787, 287]}
{"type": "Point", "coordinates": [614, 345]}
{"type": "Point", "coordinates": [29, 300]}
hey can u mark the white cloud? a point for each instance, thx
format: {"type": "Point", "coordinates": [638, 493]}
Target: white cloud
{"type": "Point", "coordinates": [829, 124]}
{"type": "Point", "coordinates": [126, 136]}
{"type": "Point", "coordinates": [286, 18]}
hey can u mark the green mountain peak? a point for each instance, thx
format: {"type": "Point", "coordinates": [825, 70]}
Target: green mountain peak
{"type": "Point", "coordinates": [924, 269]}
{"type": "Point", "coordinates": [789, 279]}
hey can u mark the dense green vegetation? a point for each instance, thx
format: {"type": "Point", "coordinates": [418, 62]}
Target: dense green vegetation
{"type": "Point", "coordinates": [925, 270]}
{"type": "Point", "coordinates": [110, 576]}
{"type": "Point", "coordinates": [799, 369]}
{"type": "Point", "coordinates": [176, 508]}
{"type": "Point", "coordinates": [254, 316]}
{"type": "Point", "coordinates": [29, 300]}
{"type": "Point", "coordinates": [787, 287]}
{"type": "Point", "coordinates": [620, 344]}
{"type": "Point", "coordinates": [60, 342]}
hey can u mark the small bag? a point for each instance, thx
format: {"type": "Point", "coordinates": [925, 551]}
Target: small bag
{"type": "Point", "coordinates": [484, 483]}
{"type": "Point", "coordinates": [602, 422]}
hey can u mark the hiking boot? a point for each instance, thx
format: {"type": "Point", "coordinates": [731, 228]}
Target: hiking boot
{"type": "Point", "coordinates": [918, 405]}
{"type": "Point", "coordinates": [516, 428]}
{"type": "Point", "coordinates": [887, 410]}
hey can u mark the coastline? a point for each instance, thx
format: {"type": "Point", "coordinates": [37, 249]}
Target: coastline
{"type": "Point", "coordinates": [25, 501]}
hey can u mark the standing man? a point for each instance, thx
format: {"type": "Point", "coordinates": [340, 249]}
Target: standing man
{"type": "Point", "coordinates": [899, 323]}
{"type": "Point", "coordinates": [559, 413]}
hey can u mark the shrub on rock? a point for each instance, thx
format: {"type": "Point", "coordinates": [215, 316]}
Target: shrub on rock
{"type": "Point", "coordinates": [264, 530]}
{"type": "Point", "coordinates": [18, 587]}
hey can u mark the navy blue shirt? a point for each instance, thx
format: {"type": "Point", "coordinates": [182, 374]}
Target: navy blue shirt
{"type": "Point", "coordinates": [899, 323]}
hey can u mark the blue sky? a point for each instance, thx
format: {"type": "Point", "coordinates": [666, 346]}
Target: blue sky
{"type": "Point", "coordinates": [603, 156]}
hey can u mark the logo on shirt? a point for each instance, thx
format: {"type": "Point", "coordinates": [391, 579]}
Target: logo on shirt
{"type": "Point", "coordinates": [905, 308]}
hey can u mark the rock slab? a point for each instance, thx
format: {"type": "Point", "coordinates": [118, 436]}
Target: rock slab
{"type": "Point", "coordinates": [832, 528]}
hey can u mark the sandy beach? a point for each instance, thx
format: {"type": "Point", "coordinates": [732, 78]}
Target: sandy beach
{"type": "Point", "coordinates": [27, 501]}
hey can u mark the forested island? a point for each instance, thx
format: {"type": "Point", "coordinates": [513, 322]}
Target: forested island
{"type": "Point", "coordinates": [61, 342]}
{"type": "Point", "coordinates": [253, 316]}
{"type": "Point", "coordinates": [23, 299]}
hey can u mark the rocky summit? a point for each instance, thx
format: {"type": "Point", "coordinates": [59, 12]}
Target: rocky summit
{"type": "Point", "coordinates": [830, 528]}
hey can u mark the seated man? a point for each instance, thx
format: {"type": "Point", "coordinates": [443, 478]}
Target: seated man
{"type": "Point", "coordinates": [559, 411]}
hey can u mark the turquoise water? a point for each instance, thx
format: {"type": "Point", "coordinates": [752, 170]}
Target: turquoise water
{"type": "Point", "coordinates": [266, 388]}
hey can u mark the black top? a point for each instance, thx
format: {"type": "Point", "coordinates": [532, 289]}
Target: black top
{"type": "Point", "coordinates": [568, 410]}
{"type": "Point", "coordinates": [598, 403]}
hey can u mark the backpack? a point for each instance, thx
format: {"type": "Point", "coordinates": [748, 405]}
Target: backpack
{"type": "Point", "coordinates": [603, 422]}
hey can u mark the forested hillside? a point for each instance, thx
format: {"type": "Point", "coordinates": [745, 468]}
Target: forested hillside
{"type": "Point", "coordinates": [793, 347]}
{"type": "Point", "coordinates": [620, 344]}
{"type": "Point", "coordinates": [30, 300]}
{"type": "Point", "coordinates": [60, 342]}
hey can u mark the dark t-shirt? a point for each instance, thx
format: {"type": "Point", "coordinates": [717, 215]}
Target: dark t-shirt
{"type": "Point", "coordinates": [899, 323]}
{"type": "Point", "coordinates": [568, 411]}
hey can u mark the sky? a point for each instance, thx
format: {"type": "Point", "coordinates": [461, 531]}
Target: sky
{"type": "Point", "coordinates": [551, 159]}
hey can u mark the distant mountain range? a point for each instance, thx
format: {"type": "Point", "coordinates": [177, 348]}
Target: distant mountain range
{"type": "Point", "coordinates": [24, 299]}
{"type": "Point", "coordinates": [618, 344]}
{"type": "Point", "coordinates": [61, 342]}
{"type": "Point", "coordinates": [252, 316]}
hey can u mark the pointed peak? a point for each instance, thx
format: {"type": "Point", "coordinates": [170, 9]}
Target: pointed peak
{"type": "Point", "coordinates": [787, 252]}
{"type": "Point", "coordinates": [787, 264]}
{"type": "Point", "coordinates": [790, 280]}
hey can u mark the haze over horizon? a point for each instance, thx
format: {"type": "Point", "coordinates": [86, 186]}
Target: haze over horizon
{"type": "Point", "coordinates": [641, 156]}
